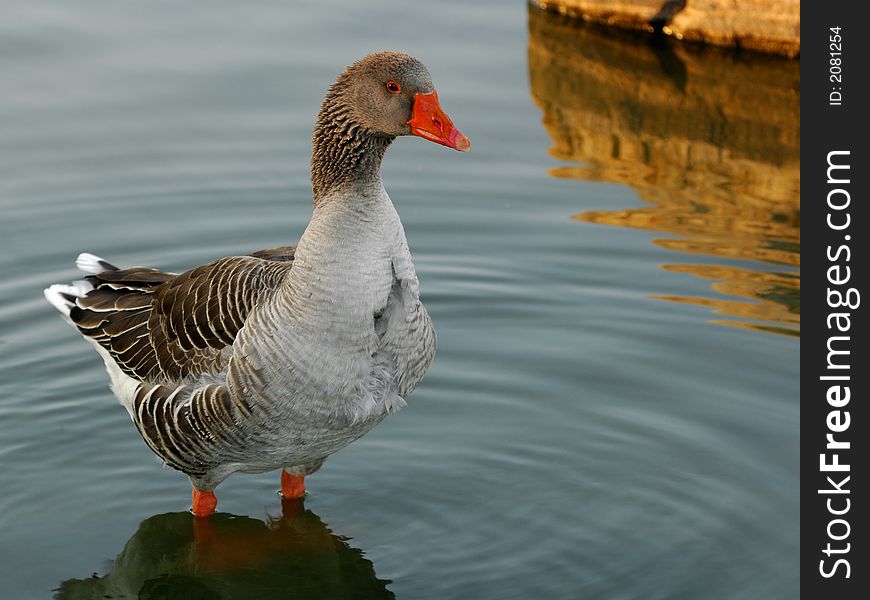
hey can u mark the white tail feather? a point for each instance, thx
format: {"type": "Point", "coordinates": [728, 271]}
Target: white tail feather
{"type": "Point", "coordinates": [59, 294]}
{"type": "Point", "coordinates": [55, 295]}
{"type": "Point", "coordinates": [91, 263]}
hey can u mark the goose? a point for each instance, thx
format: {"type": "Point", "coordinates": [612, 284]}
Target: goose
{"type": "Point", "coordinates": [278, 359]}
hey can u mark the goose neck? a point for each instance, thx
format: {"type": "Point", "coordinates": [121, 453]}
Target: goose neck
{"type": "Point", "coordinates": [345, 154]}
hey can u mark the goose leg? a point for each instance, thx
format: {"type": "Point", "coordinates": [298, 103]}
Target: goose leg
{"type": "Point", "coordinates": [293, 479]}
{"type": "Point", "coordinates": [203, 503]}
{"type": "Point", "coordinates": [292, 486]}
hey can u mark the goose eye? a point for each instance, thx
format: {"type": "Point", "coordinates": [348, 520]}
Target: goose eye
{"type": "Point", "coordinates": [393, 87]}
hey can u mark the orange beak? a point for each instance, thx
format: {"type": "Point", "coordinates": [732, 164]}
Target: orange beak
{"type": "Point", "coordinates": [429, 122]}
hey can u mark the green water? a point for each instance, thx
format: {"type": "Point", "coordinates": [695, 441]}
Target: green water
{"type": "Point", "coordinates": [594, 425]}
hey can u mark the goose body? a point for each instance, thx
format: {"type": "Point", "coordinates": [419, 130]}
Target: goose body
{"type": "Point", "coordinates": [278, 359]}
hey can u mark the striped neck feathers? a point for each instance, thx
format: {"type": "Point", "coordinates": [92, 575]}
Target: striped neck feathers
{"type": "Point", "coordinates": [346, 154]}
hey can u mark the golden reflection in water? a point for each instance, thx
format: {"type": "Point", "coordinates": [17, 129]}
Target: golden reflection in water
{"type": "Point", "coordinates": [710, 139]}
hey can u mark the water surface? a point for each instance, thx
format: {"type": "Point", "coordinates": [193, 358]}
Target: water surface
{"type": "Point", "coordinates": [577, 437]}
{"type": "Point", "coordinates": [708, 137]}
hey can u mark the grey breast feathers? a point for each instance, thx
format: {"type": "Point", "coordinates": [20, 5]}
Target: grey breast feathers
{"type": "Point", "coordinates": [160, 327]}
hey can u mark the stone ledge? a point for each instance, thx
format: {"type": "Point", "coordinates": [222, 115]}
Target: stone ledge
{"type": "Point", "coordinates": [770, 26]}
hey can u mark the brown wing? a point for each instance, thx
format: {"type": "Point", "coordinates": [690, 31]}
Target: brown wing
{"type": "Point", "coordinates": [161, 327]}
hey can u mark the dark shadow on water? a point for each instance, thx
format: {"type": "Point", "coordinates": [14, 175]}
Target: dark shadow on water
{"type": "Point", "coordinates": [174, 556]}
{"type": "Point", "coordinates": [709, 138]}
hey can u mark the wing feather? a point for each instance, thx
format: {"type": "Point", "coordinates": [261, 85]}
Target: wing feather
{"type": "Point", "coordinates": [161, 327]}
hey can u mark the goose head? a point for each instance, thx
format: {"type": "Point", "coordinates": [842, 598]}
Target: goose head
{"type": "Point", "coordinates": [376, 99]}
{"type": "Point", "coordinates": [392, 94]}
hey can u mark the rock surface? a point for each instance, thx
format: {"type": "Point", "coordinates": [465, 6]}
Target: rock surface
{"type": "Point", "coordinates": [771, 26]}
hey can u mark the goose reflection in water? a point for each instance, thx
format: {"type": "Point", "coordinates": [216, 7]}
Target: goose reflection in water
{"type": "Point", "coordinates": [709, 138]}
{"type": "Point", "coordinates": [175, 555]}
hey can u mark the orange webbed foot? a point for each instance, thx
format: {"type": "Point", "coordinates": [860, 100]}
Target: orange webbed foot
{"type": "Point", "coordinates": [292, 487]}
{"type": "Point", "coordinates": [203, 504]}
